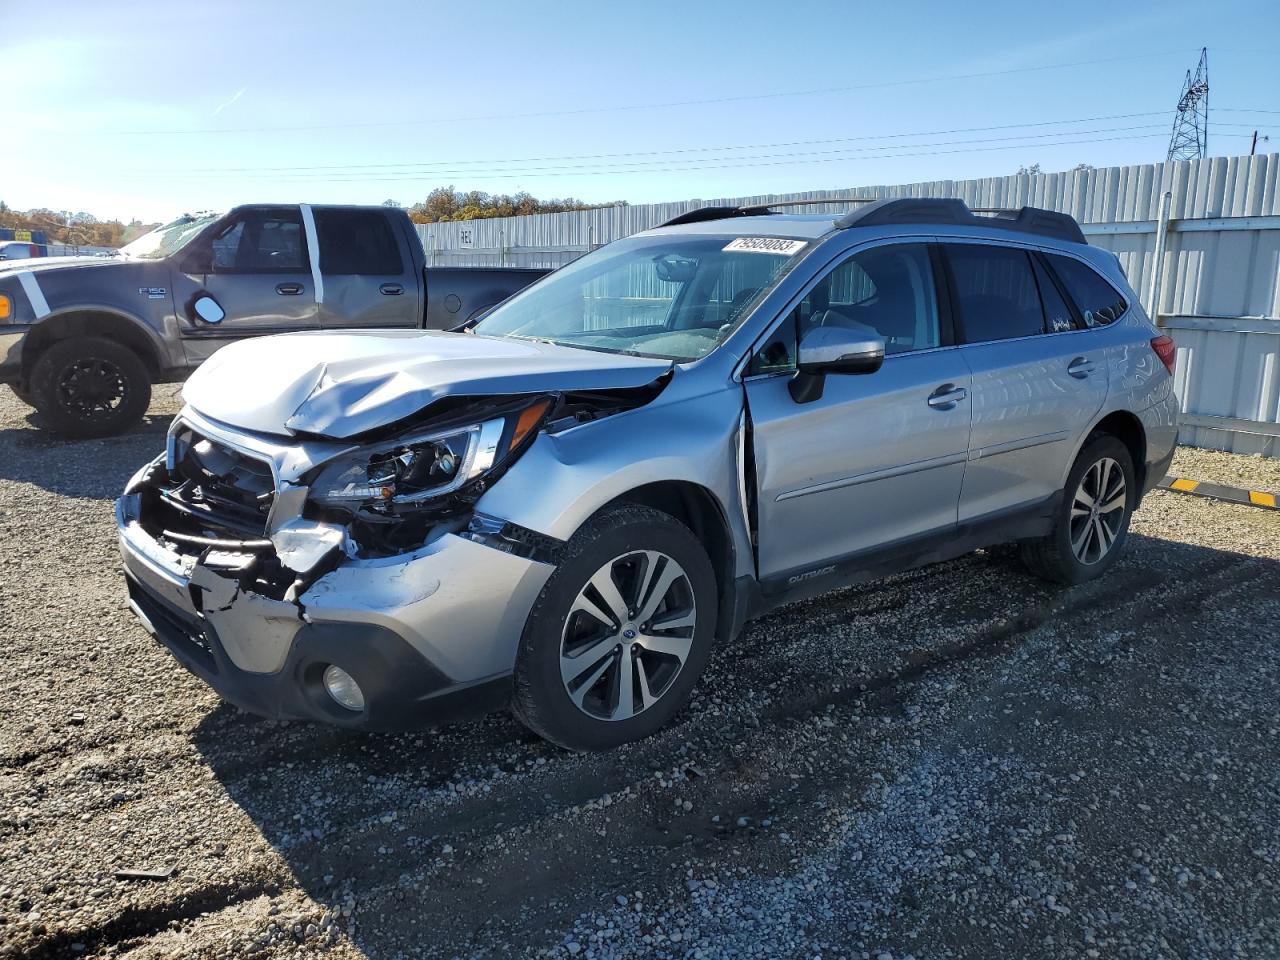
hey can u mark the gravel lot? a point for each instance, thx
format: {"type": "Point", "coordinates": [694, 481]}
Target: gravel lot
{"type": "Point", "coordinates": [956, 762]}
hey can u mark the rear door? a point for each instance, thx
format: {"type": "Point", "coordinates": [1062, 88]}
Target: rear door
{"type": "Point", "coordinates": [259, 275]}
{"type": "Point", "coordinates": [878, 459]}
{"type": "Point", "coordinates": [367, 272]}
{"type": "Point", "coordinates": [1037, 382]}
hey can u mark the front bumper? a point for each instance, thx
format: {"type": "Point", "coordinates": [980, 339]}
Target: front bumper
{"type": "Point", "coordinates": [429, 636]}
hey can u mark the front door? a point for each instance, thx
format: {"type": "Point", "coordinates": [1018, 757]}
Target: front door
{"type": "Point", "coordinates": [261, 277]}
{"type": "Point", "coordinates": [878, 460]}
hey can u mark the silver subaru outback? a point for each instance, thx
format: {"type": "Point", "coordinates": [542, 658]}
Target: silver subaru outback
{"type": "Point", "coordinates": [563, 507]}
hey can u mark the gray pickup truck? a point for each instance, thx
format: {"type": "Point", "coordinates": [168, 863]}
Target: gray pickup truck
{"type": "Point", "coordinates": [83, 338]}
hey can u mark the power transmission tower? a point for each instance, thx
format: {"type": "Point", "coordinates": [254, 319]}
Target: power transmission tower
{"type": "Point", "coordinates": [1190, 140]}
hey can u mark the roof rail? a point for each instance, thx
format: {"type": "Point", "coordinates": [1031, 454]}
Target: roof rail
{"type": "Point", "coordinates": [903, 210]}
{"type": "Point", "coordinates": [907, 210]}
{"type": "Point", "coordinates": [703, 214]}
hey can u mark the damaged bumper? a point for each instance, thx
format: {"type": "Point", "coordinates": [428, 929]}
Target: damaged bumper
{"type": "Point", "coordinates": [428, 635]}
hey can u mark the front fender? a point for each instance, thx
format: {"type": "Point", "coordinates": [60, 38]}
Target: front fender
{"type": "Point", "coordinates": [563, 479]}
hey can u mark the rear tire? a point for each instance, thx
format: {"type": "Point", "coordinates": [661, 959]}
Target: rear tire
{"type": "Point", "coordinates": [90, 387]}
{"type": "Point", "coordinates": [601, 667]}
{"type": "Point", "coordinates": [1092, 522]}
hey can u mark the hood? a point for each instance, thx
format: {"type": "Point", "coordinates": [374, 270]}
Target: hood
{"type": "Point", "coordinates": [342, 384]}
{"type": "Point", "coordinates": [41, 264]}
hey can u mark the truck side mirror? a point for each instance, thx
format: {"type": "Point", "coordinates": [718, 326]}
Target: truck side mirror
{"type": "Point", "coordinates": [208, 309]}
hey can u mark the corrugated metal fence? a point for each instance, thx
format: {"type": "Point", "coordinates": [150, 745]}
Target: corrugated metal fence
{"type": "Point", "coordinates": [1199, 238]}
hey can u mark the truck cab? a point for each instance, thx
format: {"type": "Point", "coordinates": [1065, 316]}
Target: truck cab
{"type": "Point", "coordinates": [83, 338]}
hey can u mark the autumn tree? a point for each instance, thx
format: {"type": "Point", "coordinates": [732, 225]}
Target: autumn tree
{"type": "Point", "coordinates": [446, 203]}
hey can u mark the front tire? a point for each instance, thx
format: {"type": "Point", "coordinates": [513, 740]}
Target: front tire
{"type": "Point", "coordinates": [90, 387]}
{"type": "Point", "coordinates": [619, 634]}
{"type": "Point", "coordinates": [1092, 522]}
{"type": "Point", "coordinates": [22, 393]}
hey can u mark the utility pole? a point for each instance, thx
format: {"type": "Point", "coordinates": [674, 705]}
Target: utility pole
{"type": "Point", "coordinates": [1190, 139]}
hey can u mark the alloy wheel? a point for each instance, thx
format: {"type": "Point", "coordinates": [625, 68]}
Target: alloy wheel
{"type": "Point", "coordinates": [627, 635]}
{"type": "Point", "coordinates": [1098, 511]}
{"type": "Point", "coordinates": [92, 389]}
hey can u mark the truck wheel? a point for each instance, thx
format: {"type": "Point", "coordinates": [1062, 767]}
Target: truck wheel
{"type": "Point", "coordinates": [90, 387]}
{"type": "Point", "coordinates": [619, 634]}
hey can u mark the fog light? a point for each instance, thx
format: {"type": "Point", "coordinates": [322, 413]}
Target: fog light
{"type": "Point", "coordinates": [343, 688]}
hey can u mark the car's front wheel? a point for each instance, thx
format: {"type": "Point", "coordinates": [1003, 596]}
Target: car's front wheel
{"type": "Point", "coordinates": [1092, 522]}
{"type": "Point", "coordinates": [620, 632]}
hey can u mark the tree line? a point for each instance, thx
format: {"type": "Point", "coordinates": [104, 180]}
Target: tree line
{"type": "Point", "coordinates": [446, 203]}
{"type": "Point", "coordinates": [80, 229]}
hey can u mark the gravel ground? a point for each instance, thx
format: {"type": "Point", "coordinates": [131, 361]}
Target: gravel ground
{"type": "Point", "coordinates": [956, 762]}
{"type": "Point", "coordinates": [1235, 470]}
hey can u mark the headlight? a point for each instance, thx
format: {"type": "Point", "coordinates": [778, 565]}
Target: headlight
{"type": "Point", "coordinates": [410, 470]}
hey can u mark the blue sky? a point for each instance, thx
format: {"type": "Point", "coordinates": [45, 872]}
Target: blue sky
{"type": "Point", "coordinates": [128, 109]}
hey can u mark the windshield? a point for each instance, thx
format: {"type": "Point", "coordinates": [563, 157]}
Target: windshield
{"type": "Point", "coordinates": [675, 297]}
{"type": "Point", "coordinates": [169, 239]}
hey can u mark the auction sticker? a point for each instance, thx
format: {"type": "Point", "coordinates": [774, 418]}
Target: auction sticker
{"type": "Point", "coordinates": [772, 245]}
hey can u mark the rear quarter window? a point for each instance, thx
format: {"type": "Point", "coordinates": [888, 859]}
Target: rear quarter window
{"type": "Point", "coordinates": [1098, 302]}
{"type": "Point", "coordinates": [357, 242]}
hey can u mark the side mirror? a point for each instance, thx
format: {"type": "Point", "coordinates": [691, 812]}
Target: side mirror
{"type": "Point", "coordinates": [825, 350]}
{"type": "Point", "coordinates": [208, 309]}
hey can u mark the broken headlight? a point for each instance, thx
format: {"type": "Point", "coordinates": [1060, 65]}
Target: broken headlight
{"type": "Point", "coordinates": [398, 475]}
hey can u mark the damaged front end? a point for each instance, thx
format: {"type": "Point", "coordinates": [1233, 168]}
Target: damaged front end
{"type": "Point", "coordinates": [261, 562]}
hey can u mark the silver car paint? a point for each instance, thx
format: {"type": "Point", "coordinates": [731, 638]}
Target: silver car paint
{"type": "Point", "coordinates": [340, 385]}
{"type": "Point", "coordinates": [887, 469]}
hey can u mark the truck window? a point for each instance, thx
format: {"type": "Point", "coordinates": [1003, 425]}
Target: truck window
{"type": "Point", "coordinates": [260, 243]}
{"type": "Point", "coordinates": [357, 242]}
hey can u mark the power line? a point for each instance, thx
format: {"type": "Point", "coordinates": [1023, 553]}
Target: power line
{"type": "Point", "coordinates": [657, 153]}
{"type": "Point", "coordinates": [393, 178]}
{"type": "Point", "coordinates": [344, 172]}
{"type": "Point", "coordinates": [580, 111]}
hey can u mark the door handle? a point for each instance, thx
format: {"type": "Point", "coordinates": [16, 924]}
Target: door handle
{"type": "Point", "coordinates": [1080, 367]}
{"type": "Point", "coordinates": [392, 289]}
{"type": "Point", "coordinates": [947, 396]}
{"type": "Point", "coordinates": [288, 289]}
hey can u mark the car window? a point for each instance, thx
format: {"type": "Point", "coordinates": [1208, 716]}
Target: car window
{"type": "Point", "coordinates": [995, 291]}
{"type": "Point", "coordinates": [357, 242]}
{"type": "Point", "coordinates": [260, 243]}
{"type": "Point", "coordinates": [665, 295]}
{"type": "Point", "coordinates": [1058, 317]}
{"type": "Point", "coordinates": [887, 290]}
{"type": "Point", "coordinates": [1098, 301]}
{"type": "Point", "coordinates": [778, 352]}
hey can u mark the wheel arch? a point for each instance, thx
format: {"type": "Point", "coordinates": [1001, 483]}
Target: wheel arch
{"type": "Point", "coordinates": [698, 508]}
{"type": "Point", "coordinates": [92, 322]}
{"type": "Point", "coordinates": [1128, 429]}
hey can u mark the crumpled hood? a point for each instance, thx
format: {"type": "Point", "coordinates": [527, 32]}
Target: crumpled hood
{"type": "Point", "coordinates": [41, 264]}
{"type": "Point", "coordinates": [342, 384]}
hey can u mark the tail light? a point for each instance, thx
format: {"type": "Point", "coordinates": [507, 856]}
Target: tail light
{"type": "Point", "coordinates": [1163, 346]}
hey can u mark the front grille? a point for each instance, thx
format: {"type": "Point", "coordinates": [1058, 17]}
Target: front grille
{"type": "Point", "coordinates": [216, 491]}
{"type": "Point", "coordinates": [181, 631]}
